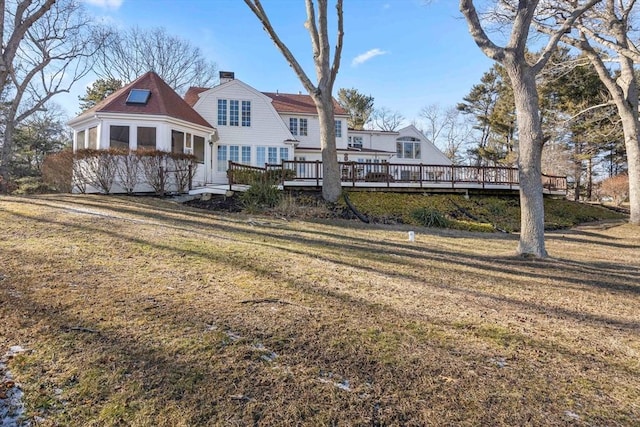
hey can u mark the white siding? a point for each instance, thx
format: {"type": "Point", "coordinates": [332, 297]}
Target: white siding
{"type": "Point", "coordinates": [267, 128]}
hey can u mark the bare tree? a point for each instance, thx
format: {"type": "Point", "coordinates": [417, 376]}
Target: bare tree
{"type": "Point", "coordinates": [445, 128]}
{"type": "Point", "coordinates": [387, 120]}
{"type": "Point", "coordinates": [605, 34]}
{"type": "Point", "coordinates": [135, 51]}
{"type": "Point", "coordinates": [321, 93]}
{"type": "Point", "coordinates": [50, 58]}
{"type": "Point", "coordinates": [522, 74]}
{"type": "Point", "coordinates": [15, 20]}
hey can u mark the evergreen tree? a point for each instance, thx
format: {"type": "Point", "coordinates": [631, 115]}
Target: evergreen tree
{"type": "Point", "coordinates": [99, 90]}
{"type": "Point", "coordinates": [358, 105]}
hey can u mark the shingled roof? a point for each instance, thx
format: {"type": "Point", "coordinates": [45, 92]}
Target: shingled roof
{"type": "Point", "coordinates": [285, 103]}
{"type": "Point", "coordinates": [163, 101]}
{"type": "Point", "coordinates": [303, 104]}
{"type": "Point", "coordinates": [192, 95]}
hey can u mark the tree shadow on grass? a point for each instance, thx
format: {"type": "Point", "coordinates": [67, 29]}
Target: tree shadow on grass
{"type": "Point", "coordinates": [156, 358]}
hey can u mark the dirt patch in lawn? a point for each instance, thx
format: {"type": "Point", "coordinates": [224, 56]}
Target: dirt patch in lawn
{"type": "Point", "coordinates": [139, 311]}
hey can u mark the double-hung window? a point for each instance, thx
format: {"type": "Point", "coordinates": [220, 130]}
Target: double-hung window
{"type": "Point", "coordinates": [261, 153]}
{"type": "Point", "coordinates": [234, 112]}
{"type": "Point", "coordinates": [234, 153]}
{"type": "Point", "coordinates": [293, 125]}
{"type": "Point", "coordinates": [222, 112]}
{"type": "Point", "coordinates": [222, 158]}
{"type": "Point", "coordinates": [338, 124]}
{"type": "Point", "coordinates": [246, 113]}
{"type": "Point", "coordinates": [303, 127]}
{"type": "Point", "coordinates": [298, 126]}
{"type": "Point", "coordinates": [272, 155]}
{"type": "Point", "coordinates": [246, 154]}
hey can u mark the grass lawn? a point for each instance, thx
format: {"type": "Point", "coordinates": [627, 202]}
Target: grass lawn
{"type": "Point", "coordinates": [137, 311]}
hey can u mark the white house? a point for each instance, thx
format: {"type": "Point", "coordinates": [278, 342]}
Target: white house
{"type": "Point", "coordinates": [233, 121]}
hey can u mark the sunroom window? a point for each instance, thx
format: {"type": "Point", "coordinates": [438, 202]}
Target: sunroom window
{"type": "Point", "coordinates": [119, 136]}
{"type": "Point", "coordinates": [146, 138]}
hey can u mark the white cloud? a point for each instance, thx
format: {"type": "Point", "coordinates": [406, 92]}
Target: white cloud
{"type": "Point", "coordinates": [106, 4]}
{"type": "Point", "coordinates": [364, 57]}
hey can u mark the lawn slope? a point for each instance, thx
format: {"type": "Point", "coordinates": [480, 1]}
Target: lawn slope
{"type": "Point", "coordinates": [141, 312]}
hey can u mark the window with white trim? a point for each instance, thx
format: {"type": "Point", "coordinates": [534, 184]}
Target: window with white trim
{"type": "Point", "coordinates": [222, 112]}
{"type": "Point", "coordinates": [177, 141]}
{"type": "Point", "coordinates": [234, 112]}
{"type": "Point", "coordinates": [293, 125]}
{"type": "Point", "coordinates": [355, 141]}
{"type": "Point", "coordinates": [80, 140]}
{"type": "Point", "coordinates": [246, 113]}
{"type": "Point", "coordinates": [198, 148]}
{"type": "Point", "coordinates": [338, 125]}
{"type": "Point", "coordinates": [246, 154]}
{"type": "Point", "coordinates": [119, 136]}
{"type": "Point", "coordinates": [261, 156]}
{"type": "Point", "coordinates": [222, 158]}
{"type": "Point", "coordinates": [298, 126]}
{"type": "Point", "coordinates": [234, 153]}
{"type": "Point", "coordinates": [93, 138]}
{"type": "Point", "coordinates": [408, 147]}
{"type": "Point", "coordinates": [146, 138]}
{"type": "Point", "coordinates": [272, 155]}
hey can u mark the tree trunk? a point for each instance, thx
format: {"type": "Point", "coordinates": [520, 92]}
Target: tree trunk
{"type": "Point", "coordinates": [632, 145]}
{"type": "Point", "coordinates": [529, 159]}
{"type": "Point", "coordinates": [6, 154]}
{"type": "Point", "coordinates": [577, 170]}
{"type": "Point", "coordinates": [590, 178]}
{"type": "Point", "coordinates": [331, 183]}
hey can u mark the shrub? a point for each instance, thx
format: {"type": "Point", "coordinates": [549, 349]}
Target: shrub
{"type": "Point", "coordinates": [429, 217]}
{"type": "Point", "coordinates": [57, 171]}
{"type": "Point", "coordinates": [245, 176]}
{"type": "Point", "coordinates": [616, 187]}
{"type": "Point", "coordinates": [99, 167]}
{"type": "Point", "coordinates": [153, 165]}
{"type": "Point", "coordinates": [250, 176]}
{"type": "Point", "coordinates": [128, 170]}
{"type": "Point", "coordinates": [260, 195]}
{"type": "Point", "coordinates": [32, 185]}
{"type": "Point", "coordinates": [183, 168]}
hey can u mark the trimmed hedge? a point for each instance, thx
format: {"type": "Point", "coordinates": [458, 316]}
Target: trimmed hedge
{"type": "Point", "coordinates": [66, 171]}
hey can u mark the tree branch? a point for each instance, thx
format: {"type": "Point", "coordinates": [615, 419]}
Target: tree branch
{"type": "Point", "coordinates": [489, 48]}
{"type": "Point", "coordinates": [555, 37]}
{"type": "Point", "coordinates": [258, 11]}
{"type": "Point", "coordinates": [338, 53]}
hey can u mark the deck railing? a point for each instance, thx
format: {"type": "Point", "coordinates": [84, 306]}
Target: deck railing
{"type": "Point", "coordinates": [394, 173]}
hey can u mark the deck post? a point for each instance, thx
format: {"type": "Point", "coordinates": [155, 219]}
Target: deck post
{"type": "Point", "coordinates": [353, 174]}
{"type": "Point", "coordinates": [420, 175]}
{"type": "Point", "coordinates": [453, 180]}
{"type": "Point", "coordinates": [386, 175]}
{"type": "Point", "coordinates": [317, 173]}
{"type": "Point", "coordinates": [282, 173]}
{"type": "Point", "coordinates": [230, 175]}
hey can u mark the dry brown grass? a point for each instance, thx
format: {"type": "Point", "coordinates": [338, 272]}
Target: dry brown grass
{"type": "Point", "coordinates": [145, 313]}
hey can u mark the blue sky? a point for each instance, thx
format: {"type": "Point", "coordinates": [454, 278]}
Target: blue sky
{"type": "Point", "coordinates": [420, 52]}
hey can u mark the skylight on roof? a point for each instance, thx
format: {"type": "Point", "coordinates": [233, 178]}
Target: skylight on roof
{"type": "Point", "coordinates": [138, 96]}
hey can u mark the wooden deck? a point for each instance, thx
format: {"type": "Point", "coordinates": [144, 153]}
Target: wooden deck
{"type": "Point", "coordinates": [394, 177]}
